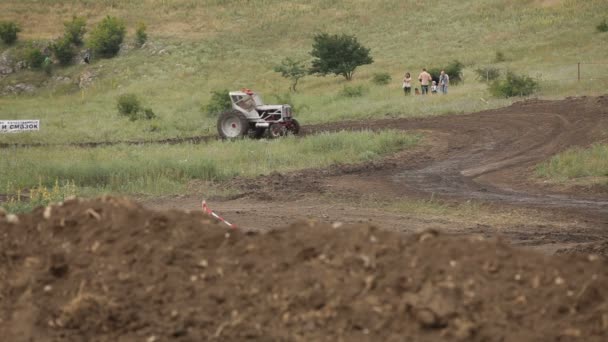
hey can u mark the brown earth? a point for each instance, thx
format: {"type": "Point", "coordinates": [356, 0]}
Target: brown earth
{"type": "Point", "coordinates": [487, 157]}
{"type": "Point", "coordinates": [111, 270]}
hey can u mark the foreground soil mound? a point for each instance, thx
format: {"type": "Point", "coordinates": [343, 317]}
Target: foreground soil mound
{"type": "Point", "coordinates": [110, 270]}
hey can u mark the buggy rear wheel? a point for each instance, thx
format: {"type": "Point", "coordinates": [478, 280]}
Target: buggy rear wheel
{"type": "Point", "coordinates": [294, 127]}
{"type": "Point", "coordinates": [275, 131]}
{"type": "Point", "coordinates": [232, 125]}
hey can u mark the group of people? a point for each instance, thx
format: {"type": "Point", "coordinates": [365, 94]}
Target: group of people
{"type": "Point", "coordinates": [426, 80]}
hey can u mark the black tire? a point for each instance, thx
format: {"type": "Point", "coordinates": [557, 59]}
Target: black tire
{"type": "Point", "coordinates": [258, 132]}
{"type": "Point", "coordinates": [275, 131]}
{"type": "Point", "coordinates": [232, 125]}
{"type": "Point", "coordinates": [294, 128]}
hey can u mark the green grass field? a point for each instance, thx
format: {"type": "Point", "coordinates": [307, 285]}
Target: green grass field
{"type": "Point", "coordinates": [158, 169]}
{"type": "Point", "coordinates": [211, 45]}
{"type": "Point", "coordinates": [577, 166]}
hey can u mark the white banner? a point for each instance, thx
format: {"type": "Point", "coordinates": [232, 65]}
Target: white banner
{"type": "Point", "coordinates": [15, 126]}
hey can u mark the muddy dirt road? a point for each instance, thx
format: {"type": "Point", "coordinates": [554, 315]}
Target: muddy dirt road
{"type": "Point", "coordinates": [487, 157]}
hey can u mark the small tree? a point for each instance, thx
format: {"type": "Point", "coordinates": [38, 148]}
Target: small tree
{"type": "Point", "coordinates": [63, 51]}
{"type": "Point", "coordinates": [140, 34]}
{"type": "Point", "coordinates": [291, 69]}
{"type": "Point", "coordinates": [338, 54]}
{"type": "Point", "coordinates": [75, 30]}
{"type": "Point", "coordinates": [107, 36]}
{"type": "Point", "coordinates": [8, 32]}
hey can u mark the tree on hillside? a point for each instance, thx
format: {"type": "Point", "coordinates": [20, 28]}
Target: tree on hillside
{"type": "Point", "coordinates": [291, 69]}
{"type": "Point", "coordinates": [75, 30]}
{"type": "Point", "coordinates": [107, 36]}
{"type": "Point", "coordinates": [338, 54]}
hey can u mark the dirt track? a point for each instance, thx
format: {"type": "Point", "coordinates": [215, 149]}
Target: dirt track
{"type": "Point", "coordinates": [487, 156]}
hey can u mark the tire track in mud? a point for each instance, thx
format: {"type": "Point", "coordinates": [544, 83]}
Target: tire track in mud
{"type": "Point", "coordinates": [491, 154]}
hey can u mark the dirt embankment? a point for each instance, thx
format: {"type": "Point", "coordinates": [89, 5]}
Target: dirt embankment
{"type": "Point", "coordinates": [110, 270]}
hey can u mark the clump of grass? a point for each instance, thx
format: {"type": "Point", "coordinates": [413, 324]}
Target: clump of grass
{"type": "Point", "coordinates": [381, 78]}
{"type": "Point", "coordinates": [23, 200]}
{"type": "Point", "coordinates": [352, 91]}
{"type": "Point", "coordinates": [499, 57]}
{"type": "Point", "coordinates": [577, 163]}
{"type": "Point", "coordinates": [162, 169]}
{"type": "Point", "coordinates": [487, 73]}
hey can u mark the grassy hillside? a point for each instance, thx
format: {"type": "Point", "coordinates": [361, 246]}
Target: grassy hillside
{"type": "Point", "coordinates": [215, 44]}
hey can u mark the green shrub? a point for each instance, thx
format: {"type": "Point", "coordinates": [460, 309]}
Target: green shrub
{"type": "Point", "coordinates": [75, 30]}
{"type": "Point", "coordinates": [514, 85]}
{"type": "Point", "coordinates": [8, 32]}
{"type": "Point", "coordinates": [129, 106]}
{"type": "Point", "coordinates": [453, 69]}
{"type": "Point", "coordinates": [107, 36]}
{"type": "Point", "coordinates": [219, 102]}
{"type": "Point", "coordinates": [34, 58]}
{"type": "Point", "coordinates": [352, 91]}
{"type": "Point", "coordinates": [63, 51]}
{"type": "Point", "coordinates": [487, 73]}
{"type": "Point", "coordinates": [603, 26]}
{"type": "Point", "coordinates": [500, 57]}
{"type": "Point", "coordinates": [381, 78]}
{"type": "Point", "coordinates": [140, 34]}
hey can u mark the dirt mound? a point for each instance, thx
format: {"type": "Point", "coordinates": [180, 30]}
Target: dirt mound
{"type": "Point", "coordinates": [108, 269]}
{"type": "Point", "coordinates": [598, 248]}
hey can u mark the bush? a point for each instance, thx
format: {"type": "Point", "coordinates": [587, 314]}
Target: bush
{"type": "Point", "coordinates": [487, 73]}
{"type": "Point", "coordinates": [34, 58]}
{"type": "Point", "coordinates": [129, 106]}
{"type": "Point", "coordinates": [8, 32]}
{"type": "Point", "coordinates": [381, 78]}
{"type": "Point", "coordinates": [63, 51]}
{"type": "Point", "coordinates": [454, 71]}
{"type": "Point", "coordinates": [603, 26]}
{"type": "Point", "coordinates": [219, 102]}
{"type": "Point", "coordinates": [353, 91]}
{"type": "Point", "coordinates": [514, 85]}
{"type": "Point", "coordinates": [75, 30]}
{"type": "Point", "coordinates": [140, 34]}
{"type": "Point", "coordinates": [107, 36]}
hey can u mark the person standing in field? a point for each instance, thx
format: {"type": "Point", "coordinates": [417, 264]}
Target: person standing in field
{"type": "Point", "coordinates": [444, 81]}
{"type": "Point", "coordinates": [407, 83]}
{"type": "Point", "coordinates": [425, 79]}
